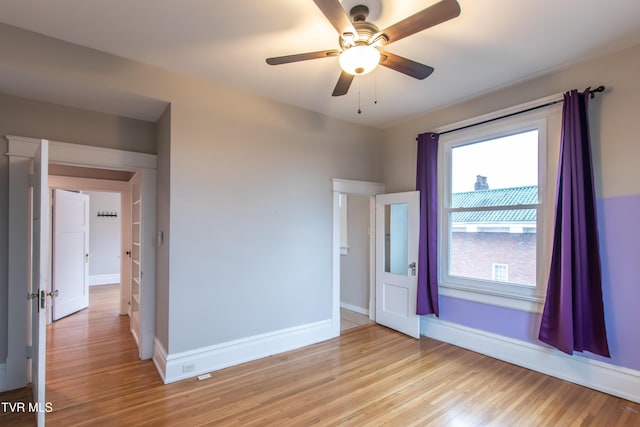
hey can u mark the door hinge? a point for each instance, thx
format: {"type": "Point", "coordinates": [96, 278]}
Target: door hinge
{"type": "Point", "coordinates": [30, 180]}
{"type": "Point", "coordinates": [29, 352]}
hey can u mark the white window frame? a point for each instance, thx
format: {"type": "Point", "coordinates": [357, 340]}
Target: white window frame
{"type": "Point", "coordinates": [548, 122]}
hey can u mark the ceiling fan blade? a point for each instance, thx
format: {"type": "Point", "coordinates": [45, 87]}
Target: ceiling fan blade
{"type": "Point", "coordinates": [302, 57]}
{"type": "Point", "coordinates": [334, 12]}
{"type": "Point", "coordinates": [406, 66]}
{"type": "Point", "coordinates": [344, 82]}
{"type": "Point", "coordinates": [426, 18]}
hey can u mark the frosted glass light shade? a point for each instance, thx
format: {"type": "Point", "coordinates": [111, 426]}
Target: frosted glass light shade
{"type": "Point", "coordinates": [359, 60]}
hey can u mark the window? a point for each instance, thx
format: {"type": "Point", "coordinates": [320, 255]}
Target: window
{"type": "Point", "coordinates": [494, 206]}
{"type": "Point", "coordinates": [343, 207]}
{"type": "Point", "coordinates": [500, 272]}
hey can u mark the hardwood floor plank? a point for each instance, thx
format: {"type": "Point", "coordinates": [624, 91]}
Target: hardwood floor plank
{"type": "Point", "coordinates": [369, 376]}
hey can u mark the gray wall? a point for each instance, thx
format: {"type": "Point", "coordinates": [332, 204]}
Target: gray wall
{"type": "Point", "coordinates": [23, 117]}
{"type": "Point", "coordinates": [251, 207]}
{"type": "Point", "coordinates": [613, 122]}
{"type": "Point", "coordinates": [249, 190]}
{"type": "Point", "coordinates": [104, 233]}
{"type": "Point", "coordinates": [354, 267]}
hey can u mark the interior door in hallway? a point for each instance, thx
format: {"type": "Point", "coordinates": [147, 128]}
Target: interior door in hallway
{"type": "Point", "coordinates": [70, 253]}
{"type": "Point", "coordinates": [397, 229]}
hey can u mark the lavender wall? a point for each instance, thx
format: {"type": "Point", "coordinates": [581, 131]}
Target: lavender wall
{"type": "Point", "coordinates": [614, 131]}
{"type": "Point", "coordinates": [620, 255]}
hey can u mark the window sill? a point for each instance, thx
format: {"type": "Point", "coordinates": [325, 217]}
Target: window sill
{"type": "Point", "coordinates": [530, 304]}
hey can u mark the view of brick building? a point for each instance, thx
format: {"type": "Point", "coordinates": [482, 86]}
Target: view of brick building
{"type": "Point", "coordinates": [494, 244]}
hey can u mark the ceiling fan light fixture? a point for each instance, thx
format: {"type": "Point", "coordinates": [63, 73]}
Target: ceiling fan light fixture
{"type": "Point", "coordinates": [359, 60]}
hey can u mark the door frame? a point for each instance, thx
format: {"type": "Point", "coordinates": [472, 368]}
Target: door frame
{"type": "Point", "coordinates": [103, 185]}
{"type": "Point", "coordinates": [21, 152]}
{"type": "Point", "coordinates": [362, 188]}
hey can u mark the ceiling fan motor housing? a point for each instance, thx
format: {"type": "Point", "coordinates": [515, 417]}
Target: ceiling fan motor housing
{"type": "Point", "coordinates": [366, 30]}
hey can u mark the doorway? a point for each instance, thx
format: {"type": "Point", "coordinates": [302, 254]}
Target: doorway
{"type": "Point", "coordinates": [354, 261]}
{"type": "Point", "coordinates": [363, 297]}
{"type": "Point", "coordinates": [114, 204]}
{"type": "Point", "coordinates": [22, 152]}
{"type": "Point", "coordinates": [81, 266]}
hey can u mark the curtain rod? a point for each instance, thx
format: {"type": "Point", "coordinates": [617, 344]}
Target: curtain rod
{"type": "Point", "coordinates": [592, 92]}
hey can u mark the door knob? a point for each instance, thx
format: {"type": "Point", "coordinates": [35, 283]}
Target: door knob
{"type": "Point", "coordinates": [53, 294]}
{"type": "Point", "coordinates": [412, 266]}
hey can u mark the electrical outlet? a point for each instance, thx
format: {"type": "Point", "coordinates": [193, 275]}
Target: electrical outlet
{"type": "Point", "coordinates": [188, 367]}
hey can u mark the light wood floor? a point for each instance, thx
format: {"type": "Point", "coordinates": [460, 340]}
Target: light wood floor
{"type": "Point", "coordinates": [370, 375]}
{"type": "Point", "coordinates": [350, 319]}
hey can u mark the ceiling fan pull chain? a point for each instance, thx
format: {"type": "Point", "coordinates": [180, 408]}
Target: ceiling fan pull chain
{"type": "Point", "coordinates": [359, 110]}
{"type": "Point", "coordinates": [375, 89]}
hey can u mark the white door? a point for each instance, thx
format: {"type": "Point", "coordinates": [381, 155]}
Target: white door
{"type": "Point", "coordinates": [397, 229]}
{"type": "Point", "coordinates": [70, 253]}
{"type": "Point", "coordinates": [39, 278]}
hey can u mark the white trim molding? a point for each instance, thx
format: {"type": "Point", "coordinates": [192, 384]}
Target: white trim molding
{"type": "Point", "coordinates": [104, 279]}
{"type": "Point", "coordinates": [604, 377]}
{"type": "Point", "coordinates": [188, 364]}
{"type": "Point", "coordinates": [82, 155]}
{"type": "Point", "coordinates": [354, 308]}
{"type": "Point", "coordinates": [160, 359]}
{"type": "Point", "coordinates": [532, 304]}
{"type": "Point", "coordinates": [363, 188]}
{"type": "Point", "coordinates": [536, 103]}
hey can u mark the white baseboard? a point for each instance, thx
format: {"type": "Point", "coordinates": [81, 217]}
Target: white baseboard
{"type": "Point", "coordinates": [355, 308]}
{"type": "Point", "coordinates": [160, 359]}
{"type": "Point", "coordinates": [179, 366]}
{"type": "Point", "coordinates": [611, 379]}
{"type": "Point", "coordinates": [104, 279]}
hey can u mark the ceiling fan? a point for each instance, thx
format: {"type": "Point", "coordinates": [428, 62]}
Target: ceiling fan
{"type": "Point", "coordinates": [361, 41]}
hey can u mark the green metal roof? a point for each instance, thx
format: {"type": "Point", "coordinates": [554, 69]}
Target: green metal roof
{"type": "Point", "coordinates": [513, 196]}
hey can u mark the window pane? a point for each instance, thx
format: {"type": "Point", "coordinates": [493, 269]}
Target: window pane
{"type": "Point", "coordinates": [501, 272]}
{"type": "Point", "coordinates": [397, 237]}
{"type": "Point", "coordinates": [497, 165]}
{"type": "Point", "coordinates": [501, 248]}
{"type": "Point", "coordinates": [495, 244]}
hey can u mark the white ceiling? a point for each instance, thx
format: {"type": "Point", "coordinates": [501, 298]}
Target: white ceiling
{"type": "Point", "coordinates": [492, 43]}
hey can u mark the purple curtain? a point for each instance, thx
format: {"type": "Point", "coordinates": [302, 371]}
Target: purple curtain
{"type": "Point", "coordinates": [427, 184]}
{"type": "Point", "coordinates": [573, 317]}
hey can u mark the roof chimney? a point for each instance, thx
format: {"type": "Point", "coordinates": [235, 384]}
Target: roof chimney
{"type": "Point", "coordinates": [481, 183]}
